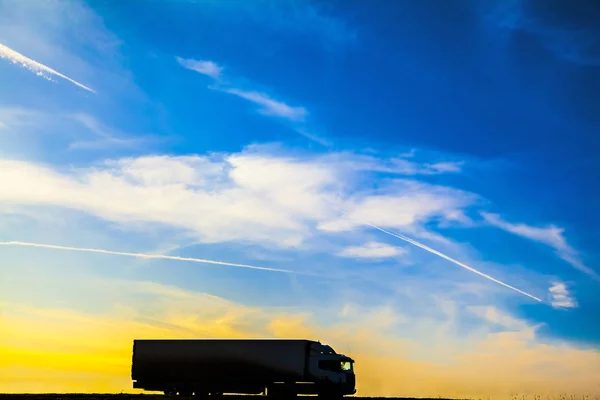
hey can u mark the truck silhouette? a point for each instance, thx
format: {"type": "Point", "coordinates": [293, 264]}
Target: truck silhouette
{"type": "Point", "coordinates": [273, 367]}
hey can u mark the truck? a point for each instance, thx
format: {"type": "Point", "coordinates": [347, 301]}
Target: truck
{"type": "Point", "coordinates": [277, 368]}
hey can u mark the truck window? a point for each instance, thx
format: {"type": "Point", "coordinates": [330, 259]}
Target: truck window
{"type": "Point", "coordinates": [330, 365]}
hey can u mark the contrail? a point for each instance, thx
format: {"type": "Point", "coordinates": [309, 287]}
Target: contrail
{"type": "Point", "coordinates": [440, 254]}
{"type": "Point", "coordinates": [437, 253]}
{"type": "Point", "coordinates": [34, 66]}
{"type": "Point", "coordinates": [147, 256]}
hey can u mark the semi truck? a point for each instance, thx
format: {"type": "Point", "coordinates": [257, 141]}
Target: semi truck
{"type": "Point", "coordinates": [278, 368]}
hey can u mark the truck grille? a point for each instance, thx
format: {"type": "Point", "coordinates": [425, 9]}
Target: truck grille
{"type": "Point", "coordinates": [351, 381]}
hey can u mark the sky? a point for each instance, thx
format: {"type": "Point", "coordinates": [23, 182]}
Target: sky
{"type": "Point", "coordinates": [414, 183]}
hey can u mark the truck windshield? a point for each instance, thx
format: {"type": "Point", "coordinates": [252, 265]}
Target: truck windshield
{"type": "Point", "coordinates": [346, 366]}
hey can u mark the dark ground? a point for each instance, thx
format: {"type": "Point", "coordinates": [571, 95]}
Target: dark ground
{"type": "Point", "coordinates": [59, 396]}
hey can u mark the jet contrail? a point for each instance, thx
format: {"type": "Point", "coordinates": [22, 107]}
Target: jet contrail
{"type": "Point", "coordinates": [34, 66]}
{"type": "Point", "coordinates": [141, 255]}
{"type": "Point", "coordinates": [440, 254]}
{"type": "Point", "coordinates": [437, 253]}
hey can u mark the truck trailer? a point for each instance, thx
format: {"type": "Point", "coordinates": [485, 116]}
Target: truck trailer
{"type": "Point", "coordinates": [273, 367]}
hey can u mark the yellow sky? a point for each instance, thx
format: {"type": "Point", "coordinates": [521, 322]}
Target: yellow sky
{"type": "Point", "coordinates": [65, 350]}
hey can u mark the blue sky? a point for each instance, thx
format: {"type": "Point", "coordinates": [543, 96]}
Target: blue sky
{"type": "Point", "coordinates": [308, 136]}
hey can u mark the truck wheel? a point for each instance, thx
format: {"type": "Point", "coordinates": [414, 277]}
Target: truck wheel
{"type": "Point", "coordinates": [329, 395]}
{"type": "Point", "coordinates": [170, 392]}
{"type": "Point", "coordinates": [280, 392]}
{"type": "Point", "coordinates": [201, 395]}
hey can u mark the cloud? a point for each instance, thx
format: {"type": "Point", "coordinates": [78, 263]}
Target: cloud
{"type": "Point", "coordinates": [551, 236]}
{"type": "Point", "coordinates": [255, 196]}
{"type": "Point", "coordinates": [77, 350]}
{"type": "Point", "coordinates": [208, 68]}
{"type": "Point", "coordinates": [269, 106]}
{"type": "Point", "coordinates": [18, 118]}
{"type": "Point", "coordinates": [82, 131]}
{"type": "Point", "coordinates": [495, 316]}
{"type": "Point", "coordinates": [398, 205]}
{"type": "Point", "coordinates": [379, 318]}
{"type": "Point", "coordinates": [372, 250]}
{"type": "Point", "coordinates": [105, 137]}
{"type": "Point", "coordinates": [396, 165]}
{"type": "Point", "coordinates": [35, 67]}
{"type": "Point", "coordinates": [258, 196]}
{"type": "Point", "coordinates": [442, 167]}
{"type": "Point", "coordinates": [561, 297]}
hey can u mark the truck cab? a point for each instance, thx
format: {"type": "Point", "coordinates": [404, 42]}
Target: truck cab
{"type": "Point", "coordinates": [331, 370]}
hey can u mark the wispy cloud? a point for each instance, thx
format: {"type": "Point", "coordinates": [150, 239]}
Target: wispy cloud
{"type": "Point", "coordinates": [495, 316]}
{"type": "Point", "coordinates": [255, 196]}
{"type": "Point", "coordinates": [314, 138]}
{"type": "Point", "coordinates": [141, 255]}
{"type": "Point", "coordinates": [401, 165]}
{"type": "Point", "coordinates": [550, 235]}
{"type": "Point", "coordinates": [208, 68]}
{"type": "Point", "coordinates": [80, 131]}
{"type": "Point", "coordinates": [35, 67]}
{"type": "Point", "coordinates": [560, 297]}
{"type": "Point", "coordinates": [373, 250]}
{"type": "Point", "coordinates": [442, 167]}
{"type": "Point", "coordinates": [18, 117]}
{"type": "Point", "coordinates": [383, 208]}
{"type": "Point", "coordinates": [105, 137]}
{"type": "Point", "coordinates": [269, 106]}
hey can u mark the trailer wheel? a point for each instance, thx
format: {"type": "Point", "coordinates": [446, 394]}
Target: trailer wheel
{"type": "Point", "coordinates": [281, 392]}
{"type": "Point", "coordinates": [170, 392]}
{"type": "Point", "coordinates": [272, 393]}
